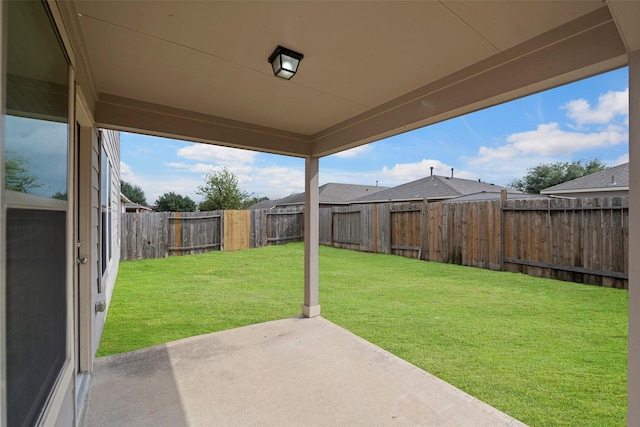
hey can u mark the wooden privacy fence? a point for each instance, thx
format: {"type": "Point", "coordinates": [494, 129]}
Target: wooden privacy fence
{"type": "Point", "coordinates": [162, 234]}
{"type": "Point", "coordinates": [582, 240]}
{"type": "Point", "coordinates": [159, 234]}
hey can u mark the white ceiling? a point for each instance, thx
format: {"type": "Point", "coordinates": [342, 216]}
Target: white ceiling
{"type": "Point", "coordinates": [159, 67]}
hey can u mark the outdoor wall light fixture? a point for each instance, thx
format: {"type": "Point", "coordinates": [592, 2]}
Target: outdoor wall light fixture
{"type": "Point", "coordinates": [285, 62]}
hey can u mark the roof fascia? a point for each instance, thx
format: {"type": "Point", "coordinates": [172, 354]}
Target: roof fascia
{"type": "Point", "coordinates": [586, 190]}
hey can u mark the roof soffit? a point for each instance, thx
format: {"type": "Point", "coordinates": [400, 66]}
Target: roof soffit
{"type": "Point", "coordinates": [209, 59]}
{"type": "Point", "coordinates": [578, 49]}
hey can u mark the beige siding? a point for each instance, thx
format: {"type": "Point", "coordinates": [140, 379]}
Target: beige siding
{"type": "Point", "coordinates": [110, 141]}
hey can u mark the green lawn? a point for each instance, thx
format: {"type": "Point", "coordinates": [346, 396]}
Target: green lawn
{"type": "Point", "coordinates": [547, 352]}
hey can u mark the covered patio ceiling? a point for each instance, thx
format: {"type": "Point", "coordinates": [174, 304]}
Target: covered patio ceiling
{"type": "Point", "coordinates": [198, 70]}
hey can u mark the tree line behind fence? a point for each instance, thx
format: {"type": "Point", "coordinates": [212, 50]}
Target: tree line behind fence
{"type": "Point", "coordinates": [581, 240]}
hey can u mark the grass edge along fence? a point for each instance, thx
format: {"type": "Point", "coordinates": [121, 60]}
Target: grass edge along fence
{"type": "Point", "coordinates": [577, 240]}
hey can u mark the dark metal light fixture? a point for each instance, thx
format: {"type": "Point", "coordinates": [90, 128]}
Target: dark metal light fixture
{"type": "Point", "coordinates": [285, 62]}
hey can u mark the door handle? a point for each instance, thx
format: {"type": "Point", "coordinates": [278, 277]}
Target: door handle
{"type": "Point", "coordinates": [82, 260]}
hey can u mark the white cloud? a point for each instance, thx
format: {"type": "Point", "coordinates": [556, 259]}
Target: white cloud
{"type": "Point", "coordinates": [549, 140]}
{"type": "Point", "coordinates": [602, 126]}
{"type": "Point", "coordinates": [198, 167]}
{"type": "Point", "coordinates": [185, 186]}
{"type": "Point", "coordinates": [610, 105]}
{"type": "Point", "coordinates": [126, 173]}
{"type": "Point", "coordinates": [406, 172]}
{"type": "Point", "coordinates": [353, 152]}
{"type": "Point", "coordinates": [343, 176]}
{"type": "Point", "coordinates": [400, 173]}
{"type": "Point", "coordinates": [220, 155]}
{"type": "Point", "coordinates": [504, 152]}
{"type": "Point", "coordinates": [271, 181]}
{"type": "Point", "coordinates": [154, 187]}
{"type": "Point", "coordinates": [274, 181]}
{"type": "Point", "coordinates": [620, 160]}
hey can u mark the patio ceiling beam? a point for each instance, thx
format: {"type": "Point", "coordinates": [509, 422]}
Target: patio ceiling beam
{"type": "Point", "coordinates": [581, 48]}
{"type": "Point", "coordinates": [129, 115]}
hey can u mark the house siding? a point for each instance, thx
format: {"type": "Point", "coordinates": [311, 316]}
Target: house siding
{"type": "Point", "coordinates": [110, 142]}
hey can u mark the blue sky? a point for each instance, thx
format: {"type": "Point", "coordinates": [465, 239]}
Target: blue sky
{"type": "Point", "coordinates": [583, 120]}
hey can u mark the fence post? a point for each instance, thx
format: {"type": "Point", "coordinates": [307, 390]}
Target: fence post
{"type": "Point", "coordinates": [222, 222]}
{"type": "Point", "coordinates": [424, 230]}
{"type": "Point", "coordinates": [503, 200]}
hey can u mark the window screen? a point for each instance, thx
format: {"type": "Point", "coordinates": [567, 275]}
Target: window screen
{"type": "Point", "coordinates": [36, 309]}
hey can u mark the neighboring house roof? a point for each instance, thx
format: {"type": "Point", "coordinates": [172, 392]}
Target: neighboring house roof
{"type": "Point", "coordinates": [263, 204]}
{"type": "Point", "coordinates": [329, 194]}
{"type": "Point", "coordinates": [135, 207]}
{"type": "Point", "coordinates": [433, 187]}
{"type": "Point", "coordinates": [611, 179]}
{"type": "Point", "coordinates": [130, 206]}
{"type": "Point", "coordinates": [495, 195]}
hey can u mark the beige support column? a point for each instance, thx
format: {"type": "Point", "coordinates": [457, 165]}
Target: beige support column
{"type": "Point", "coordinates": [633, 373]}
{"type": "Point", "coordinates": [311, 307]}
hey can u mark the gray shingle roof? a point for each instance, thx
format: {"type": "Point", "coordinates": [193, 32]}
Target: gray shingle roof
{"type": "Point", "coordinates": [434, 188]}
{"type": "Point", "coordinates": [330, 193]}
{"type": "Point", "coordinates": [495, 195]}
{"type": "Point", "coordinates": [595, 181]}
{"type": "Point", "coordinates": [263, 204]}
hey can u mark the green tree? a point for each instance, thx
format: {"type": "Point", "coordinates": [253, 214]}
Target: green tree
{"type": "Point", "coordinates": [221, 191]}
{"type": "Point", "coordinates": [549, 174]}
{"type": "Point", "coordinates": [172, 202]}
{"type": "Point", "coordinates": [60, 195]}
{"type": "Point", "coordinates": [16, 175]}
{"type": "Point", "coordinates": [133, 193]}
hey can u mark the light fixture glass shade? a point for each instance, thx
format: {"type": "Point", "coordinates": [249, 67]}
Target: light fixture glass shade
{"type": "Point", "coordinates": [285, 62]}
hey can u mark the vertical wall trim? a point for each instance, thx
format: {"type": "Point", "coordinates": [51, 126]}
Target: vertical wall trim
{"type": "Point", "coordinates": [3, 216]}
{"type": "Point", "coordinates": [71, 221]}
{"type": "Point", "coordinates": [633, 418]}
{"type": "Point", "coordinates": [85, 279]}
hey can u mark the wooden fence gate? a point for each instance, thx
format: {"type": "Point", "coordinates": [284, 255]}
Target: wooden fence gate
{"type": "Point", "coordinates": [406, 232]}
{"type": "Point", "coordinates": [194, 232]}
{"type": "Point", "coordinates": [284, 226]}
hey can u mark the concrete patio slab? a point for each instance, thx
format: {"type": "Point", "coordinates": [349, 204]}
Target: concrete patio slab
{"type": "Point", "coordinates": [288, 372]}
